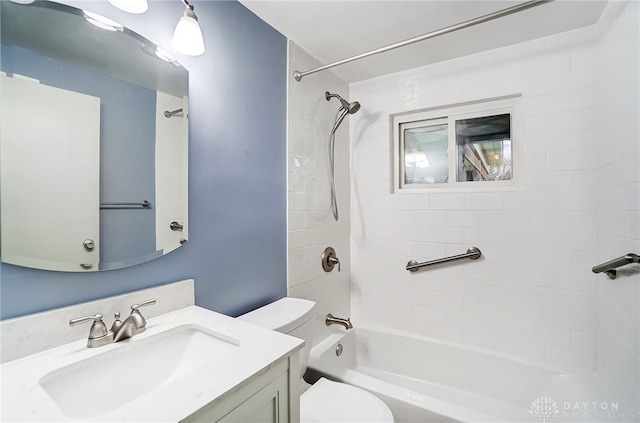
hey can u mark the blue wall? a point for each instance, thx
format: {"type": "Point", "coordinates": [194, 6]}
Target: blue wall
{"type": "Point", "coordinates": [127, 148]}
{"type": "Point", "coordinates": [237, 175]}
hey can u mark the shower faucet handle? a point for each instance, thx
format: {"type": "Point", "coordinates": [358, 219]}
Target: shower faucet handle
{"type": "Point", "coordinates": [334, 260]}
{"type": "Point", "coordinates": [329, 259]}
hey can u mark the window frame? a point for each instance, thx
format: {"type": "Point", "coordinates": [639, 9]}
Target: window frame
{"type": "Point", "coordinates": [450, 114]}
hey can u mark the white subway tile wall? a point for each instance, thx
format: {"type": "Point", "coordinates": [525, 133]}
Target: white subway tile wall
{"type": "Point", "coordinates": [311, 227]}
{"type": "Point", "coordinates": [618, 301]}
{"type": "Point", "coordinates": [532, 294]}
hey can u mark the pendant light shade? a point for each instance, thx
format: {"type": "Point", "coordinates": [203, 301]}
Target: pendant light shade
{"type": "Point", "coordinates": [131, 6]}
{"type": "Point", "coordinates": [187, 38]}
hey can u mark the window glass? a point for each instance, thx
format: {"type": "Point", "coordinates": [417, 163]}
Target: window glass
{"type": "Point", "coordinates": [483, 147]}
{"type": "Point", "coordinates": [425, 154]}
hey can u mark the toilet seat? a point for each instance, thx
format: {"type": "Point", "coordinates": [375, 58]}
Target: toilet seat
{"type": "Point", "coordinates": [328, 401]}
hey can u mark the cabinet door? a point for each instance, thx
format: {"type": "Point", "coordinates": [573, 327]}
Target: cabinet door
{"type": "Point", "coordinates": [269, 404]}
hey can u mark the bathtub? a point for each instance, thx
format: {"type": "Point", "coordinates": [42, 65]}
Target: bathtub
{"type": "Point", "coordinates": [427, 380]}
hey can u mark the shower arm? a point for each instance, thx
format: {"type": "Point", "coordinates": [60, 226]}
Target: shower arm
{"type": "Point", "coordinates": [482, 19]}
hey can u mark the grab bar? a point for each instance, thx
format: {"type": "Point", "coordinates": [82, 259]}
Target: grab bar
{"type": "Point", "coordinates": [143, 203]}
{"type": "Point", "coordinates": [472, 253]}
{"type": "Point", "coordinates": [610, 266]}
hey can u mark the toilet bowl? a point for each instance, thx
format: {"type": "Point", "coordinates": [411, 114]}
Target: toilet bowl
{"type": "Point", "coordinates": [324, 401]}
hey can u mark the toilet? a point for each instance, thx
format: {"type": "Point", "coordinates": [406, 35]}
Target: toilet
{"type": "Point", "coordinates": [324, 401]}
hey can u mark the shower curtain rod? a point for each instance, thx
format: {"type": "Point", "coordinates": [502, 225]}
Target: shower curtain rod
{"type": "Point", "coordinates": [486, 18]}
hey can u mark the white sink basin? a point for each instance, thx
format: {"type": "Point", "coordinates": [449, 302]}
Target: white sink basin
{"type": "Point", "coordinates": [185, 360]}
{"type": "Point", "coordinates": [102, 383]}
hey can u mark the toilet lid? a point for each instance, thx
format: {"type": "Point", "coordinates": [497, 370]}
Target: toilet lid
{"type": "Point", "coordinates": [328, 401]}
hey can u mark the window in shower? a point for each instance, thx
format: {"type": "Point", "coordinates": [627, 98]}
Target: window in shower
{"type": "Point", "coordinates": [461, 147]}
{"type": "Point", "coordinates": [425, 145]}
{"type": "Point", "coordinates": [483, 148]}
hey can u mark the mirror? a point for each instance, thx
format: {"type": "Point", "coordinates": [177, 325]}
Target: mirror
{"type": "Point", "coordinates": [93, 143]}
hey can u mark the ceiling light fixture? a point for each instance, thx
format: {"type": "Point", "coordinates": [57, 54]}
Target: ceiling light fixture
{"type": "Point", "coordinates": [187, 38]}
{"type": "Point", "coordinates": [131, 6]}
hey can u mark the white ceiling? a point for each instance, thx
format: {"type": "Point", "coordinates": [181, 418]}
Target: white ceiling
{"type": "Point", "coordinates": [332, 30]}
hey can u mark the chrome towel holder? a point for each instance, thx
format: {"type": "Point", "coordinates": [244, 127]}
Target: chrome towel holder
{"type": "Point", "coordinates": [144, 204]}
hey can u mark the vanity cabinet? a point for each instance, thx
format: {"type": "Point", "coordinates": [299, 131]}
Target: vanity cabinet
{"type": "Point", "coordinates": [271, 396]}
{"type": "Point", "coordinates": [191, 365]}
{"type": "Point", "coordinates": [269, 404]}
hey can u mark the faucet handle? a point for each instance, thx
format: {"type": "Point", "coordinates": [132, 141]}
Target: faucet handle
{"type": "Point", "coordinates": [98, 328]}
{"type": "Point", "coordinates": [79, 320]}
{"type": "Point", "coordinates": [334, 260]}
{"type": "Point", "coordinates": [98, 334]}
{"type": "Point", "coordinates": [135, 307]}
{"type": "Point", "coordinates": [138, 319]}
{"type": "Point", "coordinates": [329, 260]}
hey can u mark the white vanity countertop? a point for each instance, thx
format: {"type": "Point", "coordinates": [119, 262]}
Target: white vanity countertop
{"type": "Point", "coordinates": [24, 399]}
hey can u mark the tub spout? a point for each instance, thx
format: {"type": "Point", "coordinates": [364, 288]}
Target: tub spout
{"type": "Point", "coordinates": [332, 320]}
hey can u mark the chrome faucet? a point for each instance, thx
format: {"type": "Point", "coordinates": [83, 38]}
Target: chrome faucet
{"type": "Point", "coordinates": [332, 320]}
{"type": "Point", "coordinates": [132, 325]}
{"type": "Point", "coordinates": [98, 333]}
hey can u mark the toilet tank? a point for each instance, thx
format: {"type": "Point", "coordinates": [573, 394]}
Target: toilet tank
{"type": "Point", "coordinates": [293, 316]}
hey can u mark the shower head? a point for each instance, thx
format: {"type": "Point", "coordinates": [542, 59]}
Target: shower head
{"type": "Point", "coordinates": [345, 109]}
{"type": "Point", "coordinates": [349, 107]}
{"type": "Point", "coordinates": [353, 107]}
